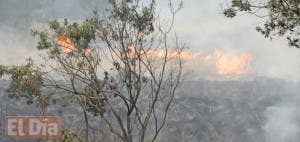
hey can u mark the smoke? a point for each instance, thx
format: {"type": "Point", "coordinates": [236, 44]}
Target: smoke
{"type": "Point", "coordinates": [200, 23]}
{"type": "Point", "coordinates": [203, 26]}
{"type": "Point", "coordinates": [282, 123]}
{"type": "Point", "coordinates": [18, 17]}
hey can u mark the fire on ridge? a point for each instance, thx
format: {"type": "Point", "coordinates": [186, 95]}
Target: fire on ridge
{"type": "Point", "coordinates": [225, 63]}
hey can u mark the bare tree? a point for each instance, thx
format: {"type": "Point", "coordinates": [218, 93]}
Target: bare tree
{"type": "Point", "coordinates": [119, 66]}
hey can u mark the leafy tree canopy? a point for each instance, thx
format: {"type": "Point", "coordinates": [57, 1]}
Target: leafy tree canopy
{"type": "Point", "coordinates": [282, 17]}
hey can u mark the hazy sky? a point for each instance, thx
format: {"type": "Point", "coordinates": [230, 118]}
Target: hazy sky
{"type": "Point", "coordinates": [200, 24]}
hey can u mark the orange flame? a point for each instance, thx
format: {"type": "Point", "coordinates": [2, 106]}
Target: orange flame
{"type": "Point", "coordinates": [225, 63]}
{"type": "Point", "coordinates": [229, 64]}
{"type": "Point", "coordinates": [132, 51]}
{"type": "Point", "coordinates": [66, 44]}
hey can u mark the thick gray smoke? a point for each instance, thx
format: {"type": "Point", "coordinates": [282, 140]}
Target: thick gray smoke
{"type": "Point", "coordinates": [283, 123]}
{"type": "Point", "coordinates": [282, 120]}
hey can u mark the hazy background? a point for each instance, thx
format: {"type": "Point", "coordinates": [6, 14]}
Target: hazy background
{"type": "Point", "coordinates": [200, 24]}
{"type": "Point", "coordinates": [19, 16]}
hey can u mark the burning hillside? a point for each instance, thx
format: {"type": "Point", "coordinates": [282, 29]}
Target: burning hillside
{"type": "Point", "coordinates": [223, 63]}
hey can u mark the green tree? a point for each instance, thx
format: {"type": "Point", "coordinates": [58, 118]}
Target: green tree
{"type": "Point", "coordinates": [282, 17]}
{"type": "Point", "coordinates": [105, 66]}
